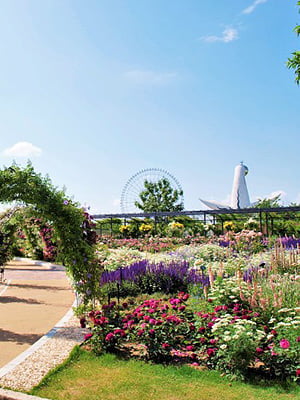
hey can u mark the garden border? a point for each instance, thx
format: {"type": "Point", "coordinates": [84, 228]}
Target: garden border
{"type": "Point", "coordinates": [6, 394]}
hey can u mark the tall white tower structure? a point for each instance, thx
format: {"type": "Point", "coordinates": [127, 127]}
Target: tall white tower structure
{"type": "Point", "coordinates": [239, 194]}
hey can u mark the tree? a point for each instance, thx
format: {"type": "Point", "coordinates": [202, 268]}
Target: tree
{"type": "Point", "coordinates": [159, 196]}
{"type": "Point", "coordinates": [294, 62]}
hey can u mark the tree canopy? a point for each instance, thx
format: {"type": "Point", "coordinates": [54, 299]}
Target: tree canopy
{"type": "Point", "coordinates": [160, 196]}
{"type": "Point", "coordinates": [294, 62]}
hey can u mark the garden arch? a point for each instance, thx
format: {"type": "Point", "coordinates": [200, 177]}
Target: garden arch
{"type": "Point", "coordinates": [72, 225]}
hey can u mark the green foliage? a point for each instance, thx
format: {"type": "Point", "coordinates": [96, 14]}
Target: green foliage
{"type": "Point", "coordinates": [109, 226]}
{"type": "Point", "coordinates": [5, 253]}
{"type": "Point", "coordinates": [75, 237]}
{"type": "Point", "coordinates": [294, 62]}
{"type": "Point", "coordinates": [159, 196]}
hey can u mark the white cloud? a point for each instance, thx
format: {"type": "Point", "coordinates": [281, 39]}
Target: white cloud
{"type": "Point", "coordinates": [253, 6]}
{"type": "Point", "coordinates": [23, 149]}
{"type": "Point", "coordinates": [140, 76]}
{"type": "Point", "coordinates": [228, 35]}
{"type": "Point", "coordinates": [274, 194]}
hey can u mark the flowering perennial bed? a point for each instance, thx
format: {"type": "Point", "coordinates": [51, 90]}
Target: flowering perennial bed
{"type": "Point", "coordinates": [231, 337]}
{"type": "Point", "coordinates": [238, 307]}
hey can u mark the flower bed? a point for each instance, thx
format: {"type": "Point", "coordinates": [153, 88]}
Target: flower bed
{"type": "Point", "coordinates": [238, 309]}
{"type": "Point", "coordinates": [231, 337]}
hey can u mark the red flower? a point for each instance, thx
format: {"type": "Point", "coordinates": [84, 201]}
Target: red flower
{"type": "Point", "coordinates": [298, 372]}
{"type": "Point", "coordinates": [82, 322]}
{"type": "Point", "coordinates": [210, 351]}
{"type": "Point", "coordinates": [259, 350]}
{"type": "Point", "coordinates": [151, 332]}
{"type": "Point", "coordinates": [165, 345]}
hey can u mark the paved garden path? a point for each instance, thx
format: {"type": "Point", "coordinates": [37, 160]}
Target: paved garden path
{"type": "Point", "coordinates": [35, 298]}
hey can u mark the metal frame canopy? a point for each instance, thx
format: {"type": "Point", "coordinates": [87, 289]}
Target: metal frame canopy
{"type": "Point", "coordinates": [199, 212]}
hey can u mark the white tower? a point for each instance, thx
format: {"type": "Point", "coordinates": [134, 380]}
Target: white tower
{"type": "Point", "coordinates": [239, 194]}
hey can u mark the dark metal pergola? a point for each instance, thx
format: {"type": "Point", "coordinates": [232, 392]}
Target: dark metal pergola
{"type": "Point", "coordinates": [266, 215]}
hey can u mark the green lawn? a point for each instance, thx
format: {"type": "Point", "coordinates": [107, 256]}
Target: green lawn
{"type": "Point", "coordinates": [87, 377]}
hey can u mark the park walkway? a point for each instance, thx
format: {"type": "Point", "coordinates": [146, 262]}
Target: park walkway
{"type": "Point", "coordinates": [35, 299]}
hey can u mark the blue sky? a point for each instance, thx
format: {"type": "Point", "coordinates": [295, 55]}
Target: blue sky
{"type": "Point", "coordinates": [99, 90]}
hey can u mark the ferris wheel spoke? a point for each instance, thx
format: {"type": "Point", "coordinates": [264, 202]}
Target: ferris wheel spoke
{"type": "Point", "coordinates": [136, 184]}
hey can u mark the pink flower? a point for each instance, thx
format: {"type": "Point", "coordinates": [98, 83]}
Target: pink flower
{"type": "Point", "coordinates": [120, 332]}
{"type": "Point", "coordinates": [298, 339]}
{"type": "Point", "coordinates": [109, 337]}
{"type": "Point", "coordinates": [190, 348]}
{"type": "Point", "coordinates": [284, 344]}
{"type": "Point", "coordinates": [151, 332]}
{"type": "Point", "coordinates": [88, 336]}
{"type": "Point", "coordinates": [152, 321]}
{"type": "Point", "coordinates": [298, 372]}
{"type": "Point", "coordinates": [174, 301]}
{"type": "Point", "coordinates": [259, 350]}
{"type": "Point", "coordinates": [218, 308]}
{"type": "Point", "coordinates": [165, 345]}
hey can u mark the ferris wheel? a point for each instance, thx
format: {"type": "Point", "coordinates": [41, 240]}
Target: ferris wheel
{"type": "Point", "coordinates": [136, 184]}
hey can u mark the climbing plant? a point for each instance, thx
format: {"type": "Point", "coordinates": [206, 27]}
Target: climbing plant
{"type": "Point", "coordinates": [74, 234]}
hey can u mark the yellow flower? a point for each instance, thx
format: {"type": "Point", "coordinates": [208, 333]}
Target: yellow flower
{"type": "Point", "coordinates": [124, 228]}
{"type": "Point", "coordinates": [145, 228]}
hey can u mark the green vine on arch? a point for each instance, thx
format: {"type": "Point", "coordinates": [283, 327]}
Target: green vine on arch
{"type": "Point", "coordinates": [73, 226]}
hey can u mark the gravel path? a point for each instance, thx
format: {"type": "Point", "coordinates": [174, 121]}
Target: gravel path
{"type": "Point", "coordinates": [52, 353]}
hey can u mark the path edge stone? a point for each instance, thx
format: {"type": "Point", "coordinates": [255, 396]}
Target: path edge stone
{"type": "Point", "coordinates": [6, 394]}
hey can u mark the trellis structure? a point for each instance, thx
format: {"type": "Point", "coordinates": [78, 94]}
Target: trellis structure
{"type": "Point", "coordinates": [266, 216]}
